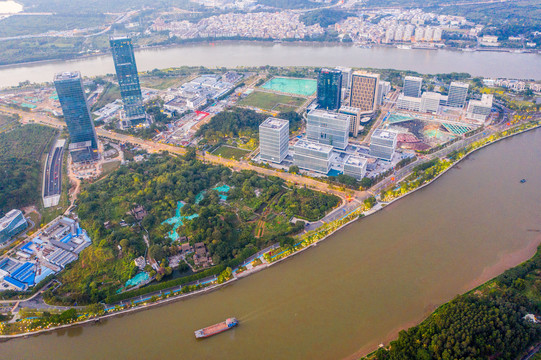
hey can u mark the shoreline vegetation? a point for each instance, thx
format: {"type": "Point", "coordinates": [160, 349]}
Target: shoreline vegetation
{"type": "Point", "coordinates": [99, 53]}
{"type": "Point", "coordinates": [272, 255]}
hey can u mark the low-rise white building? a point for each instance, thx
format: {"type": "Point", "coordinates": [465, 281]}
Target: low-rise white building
{"type": "Point", "coordinates": [355, 166]}
{"type": "Point", "coordinates": [480, 109]}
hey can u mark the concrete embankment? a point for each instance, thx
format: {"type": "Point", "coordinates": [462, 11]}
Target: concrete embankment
{"type": "Point", "coordinates": [211, 288]}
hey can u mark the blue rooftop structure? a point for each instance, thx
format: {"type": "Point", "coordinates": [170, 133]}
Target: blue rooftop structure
{"type": "Point", "coordinates": [26, 273]}
{"type": "Point", "coordinates": [15, 283]}
{"type": "Point", "coordinates": [26, 248]}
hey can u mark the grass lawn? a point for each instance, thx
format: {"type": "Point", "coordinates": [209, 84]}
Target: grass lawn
{"type": "Point", "coordinates": [230, 152]}
{"type": "Point", "coordinates": [267, 101]}
{"type": "Point", "coordinates": [110, 94]}
{"type": "Point", "coordinates": [158, 83]}
{"type": "Point", "coordinates": [283, 108]}
{"type": "Point", "coordinates": [109, 167]}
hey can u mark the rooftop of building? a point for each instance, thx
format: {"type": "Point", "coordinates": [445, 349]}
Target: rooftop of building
{"type": "Point", "coordinates": [330, 71]}
{"type": "Point", "coordinates": [274, 123]}
{"type": "Point", "coordinates": [67, 75]}
{"type": "Point", "coordinates": [310, 145]}
{"type": "Point", "coordinates": [8, 218]}
{"type": "Point", "coordinates": [385, 134]}
{"type": "Point", "coordinates": [350, 110]}
{"type": "Point", "coordinates": [118, 38]}
{"type": "Point", "coordinates": [460, 84]}
{"type": "Point", "coordinates": [486, 100]}
{"type": "Point", "coordinates": [431, 94]}
{"type": "Point", "coordinates": [409, 98]}
{"type": "Point", "coordinates": [413, 78]}
{"type": "Point", "coordinates": [80, 145]}
{"type": "Point", "coordinates": [328, 114]}
{"type": "Point", "coordinates": [365, 74]}
{"type": "Point", "coordinates": [355, 161]}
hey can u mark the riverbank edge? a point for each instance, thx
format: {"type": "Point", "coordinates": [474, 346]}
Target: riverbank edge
{"type": "Point", "coordinates": [171, 299]}
{"type": "Point", "coordinates": [78, 57]}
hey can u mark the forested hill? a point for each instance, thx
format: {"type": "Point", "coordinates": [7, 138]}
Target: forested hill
{"type": "Point", "coordinates": [487, 323]}
{"type": "Point", "coordinates": [21, 150]}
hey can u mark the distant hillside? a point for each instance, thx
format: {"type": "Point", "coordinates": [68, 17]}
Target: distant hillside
{"type": "Point", "coordinates": [324, 17]}
{"type": "Point", "coordinates": [289, 4]}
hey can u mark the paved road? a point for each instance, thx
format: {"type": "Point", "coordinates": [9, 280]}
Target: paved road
{"type": "Point", "coordinates": [53, 173]}
{"type": "Point", "coordinates": [153, 147]}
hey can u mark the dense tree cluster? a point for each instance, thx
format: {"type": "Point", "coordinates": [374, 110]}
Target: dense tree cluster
{"type": "Point", "coordinates": [486, 324]}
{"type": "Point", "coordinates": [324, 17]}
{"type": "Point", "coordinates": [307, 204]}
{"type": "Point", "coordinates": [225, 227]}
{"type": "Point", "coordinates": [239, 122]}
{"type": "Point", "coordinates": [469, 327]}
{"type": "Point", "coordinates": [20, 154]}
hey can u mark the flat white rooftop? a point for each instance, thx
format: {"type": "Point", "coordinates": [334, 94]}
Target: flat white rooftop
{"type": "Point", "coordinates": [274, 123]}
{"type": "Point", "coordinates": [328, 114]}
{"type": "Point", "coordinates": [385, 134]}
{"type": "Point", "coordinates": [413, 78]}
{"type": "Point", "coordinates": [460, 84]}
{"type": "Point", "coordinates": [67, 76]}
{"type": "Point", "coordinates": [355, 161]}
{"type": "Point", "coordinates": [310, 145]}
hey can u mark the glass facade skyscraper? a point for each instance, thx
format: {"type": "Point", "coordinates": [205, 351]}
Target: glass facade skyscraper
{"type": "Point", "coordinates": [72, 97]}
{"type": "Point", "coordinates": [329, 89]}
{"type": "Point", "coordinates": [128, 79]}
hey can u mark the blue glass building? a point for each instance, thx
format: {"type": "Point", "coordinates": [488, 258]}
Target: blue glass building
{"type": "Point", "coordinates": [329, 89]}
{"type": "Point", "coordinates": [12, 224]}
{"type": "Point", "coordinates": [128, 79]}
{"type": "Point", "coordinates": [72, 97]}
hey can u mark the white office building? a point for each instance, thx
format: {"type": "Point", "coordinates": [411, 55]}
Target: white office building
{"type": "Point", "coordinates": [328, 128]}
{"type": "Point", "coordinates": [458, 92]}
{"type": "Point", "coordinates": [383, 144]}
{"type": "Point", "coordinates": [480, 109]}
{"type": "Point", "coordinates": [355, 115]}
{"type": "Point", "coordinates": [384, 89]}
{"type": "Point", "coordinates": [419, 34]}
{"type": "Point", "coordinates": [355, 166]}
{"type": "Point", "coordinates": [430, 102]}
{"type": "Point", "coordinates": [437, 34]}
{"type": "Point", "coordinates": [412, 86]}
{"type": "Point", "coordinates": [312, 156]}
{"type": "Point", "coordinates": [408, 103]}
{"type": "Point", "coordinates": [346, 80]}
{"type": "Point", "coordinates": [274, 139]}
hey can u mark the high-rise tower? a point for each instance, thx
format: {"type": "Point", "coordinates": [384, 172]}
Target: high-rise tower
{"type": "Point", "coordinates": [71, 94]}
{"type": "Point", "coordinates": [128, 80]}
{"type": "Point", "coordinates": [412, 86]}
{"type": "Point", "coordinates": [364, 91]}
{"type": "Point", "coordinates": [458, 92]}
{"type": "Point", "coordinates": [329, 89]}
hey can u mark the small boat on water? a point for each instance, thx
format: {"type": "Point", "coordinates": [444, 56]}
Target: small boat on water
{"type": "Point", "coordinates": [522, 181]}
{"type": "Point", "coordinates": [216, 328]}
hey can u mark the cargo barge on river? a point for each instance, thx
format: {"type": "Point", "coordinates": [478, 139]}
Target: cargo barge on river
{"type": "Point", "coordinates": [216, 328]}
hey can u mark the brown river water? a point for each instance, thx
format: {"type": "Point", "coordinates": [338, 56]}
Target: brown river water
{"type": "Point", "coordinates": [353, 291]}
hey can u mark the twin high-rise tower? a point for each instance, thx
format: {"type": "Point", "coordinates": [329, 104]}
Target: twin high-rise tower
{"type": "Point", "coordinates": [128, 81]}
{"type": "Point", "coordinates": [72, 97]}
